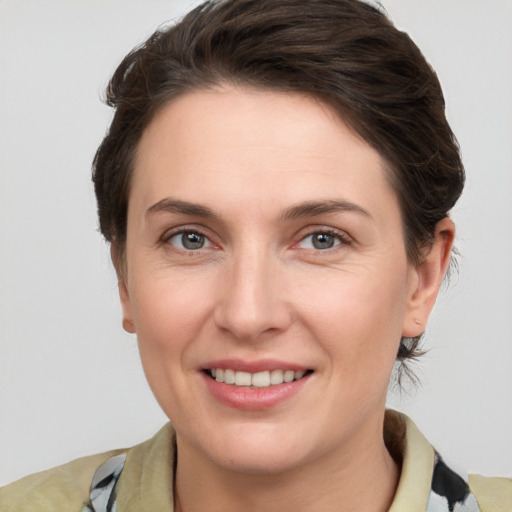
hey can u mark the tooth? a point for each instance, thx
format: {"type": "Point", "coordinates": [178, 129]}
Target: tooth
{"type": "Point", "coordinates": [288, 376]}
{"type": "Point", "coordinates": [276, 377]}
{"type": "Point", "coordinates": [261, 379]}
{"type": "Point", "coordinates": [242, 378]}
{"type": "Point", "coordinates": [229, 376]}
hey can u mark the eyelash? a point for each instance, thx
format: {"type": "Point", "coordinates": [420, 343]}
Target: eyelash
{"type": "Point", "coordinates": [340, 237]}
{"type": "Point", "coordinates": [166, 239]}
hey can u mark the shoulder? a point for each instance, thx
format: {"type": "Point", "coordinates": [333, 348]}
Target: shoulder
{"type": "Point", "coordinates": [63, 488]}
{"type": "Point", "coordinates": [492, 494]}
{"type": "Point", "coordinates": [144, 472]}
{"type": "Point", "coordinates": [450, 491]}
{"type": "Point", "coordinates": [428, 484]}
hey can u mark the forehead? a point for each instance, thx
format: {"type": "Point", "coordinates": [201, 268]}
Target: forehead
{"type": "Point", "coordinates": [249, 145]}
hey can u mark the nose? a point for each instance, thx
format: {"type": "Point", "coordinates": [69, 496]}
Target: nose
{"type": "Point", "coordinates": [251, 302]}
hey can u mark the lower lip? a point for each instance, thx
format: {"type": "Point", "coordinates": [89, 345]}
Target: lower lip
{"type": "Point", "coordinates": [254, 399]}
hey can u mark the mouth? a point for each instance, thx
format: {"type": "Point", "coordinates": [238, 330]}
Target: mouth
{"type": "Point", "coordinates": [260, 385]}
{"type": "Point", "coordinates": [262, 379]}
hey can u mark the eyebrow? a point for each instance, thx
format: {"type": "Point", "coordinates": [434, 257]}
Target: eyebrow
{"type": "Point", "coordinates": [306, 209]}
{"type": "Point", "coordinates": [313, 208]}
{"type": "Point", "coordinates": [169, 205]}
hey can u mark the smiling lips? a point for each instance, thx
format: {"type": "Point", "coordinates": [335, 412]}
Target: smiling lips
{"type": "Point", "coordinates": [262, 379]}
{"type": "Point", "coordinates": [254, 387]}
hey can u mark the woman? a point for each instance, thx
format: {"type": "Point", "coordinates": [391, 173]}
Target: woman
{"type": "Point", "coordinates": [275, 186]}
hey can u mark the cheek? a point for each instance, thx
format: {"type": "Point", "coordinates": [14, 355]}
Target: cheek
{"type": "Point", "coordinates": [357, 319]}
{"type": "Point", "coordinates": [169, 310]}
{"type": "Point", "coordinates": [169, 314]}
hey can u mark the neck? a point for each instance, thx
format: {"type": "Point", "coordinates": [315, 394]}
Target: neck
{"type": "Point", "coordinates": [336, 482]}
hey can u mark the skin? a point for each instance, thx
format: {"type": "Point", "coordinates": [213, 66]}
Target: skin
{"type": "Point", "coordinates": [259, 289]}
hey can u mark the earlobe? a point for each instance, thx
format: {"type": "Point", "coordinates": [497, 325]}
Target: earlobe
{"type": "Point", "coordinates": [430, 274]}
{"type": "Point", "coordinates": [124, 296]}
{"type": "Point", "coordinates": [128, 324]}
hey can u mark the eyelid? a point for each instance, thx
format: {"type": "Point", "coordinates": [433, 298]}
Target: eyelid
{"type": "Point", "coordinates": [343, 238]}
{"type": "Point", "coordinates": [179, 230]}
{"type": "Point", "coordinates": [206, 243]}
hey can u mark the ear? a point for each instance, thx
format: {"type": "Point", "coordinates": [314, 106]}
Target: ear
{"type": "Point", "coordinates": [120, 266]}
{"type": "Point", "coordinates": [429, 277]}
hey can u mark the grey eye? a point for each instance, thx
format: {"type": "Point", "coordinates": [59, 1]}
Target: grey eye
{"type": "Point", "coordinates": [189, 240]}
{"type": "Point", "coordinates": [323, 241]}
{"type": "Point", "coordinates": [192, 241]}
{"type": "Point", "coordinates": [320, 241]}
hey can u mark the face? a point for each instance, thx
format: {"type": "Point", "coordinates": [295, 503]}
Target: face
{"type": "Point", "coordinates": [266, 278]}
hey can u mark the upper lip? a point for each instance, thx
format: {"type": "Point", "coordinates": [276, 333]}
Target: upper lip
{"type": "Point", "coordinates": [255, 366]}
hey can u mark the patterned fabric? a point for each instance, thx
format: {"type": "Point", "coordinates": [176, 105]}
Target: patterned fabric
{"type": "Point", "coordinates": [103, 487]}
{"type": "Point", "coordinates": [449, 491]}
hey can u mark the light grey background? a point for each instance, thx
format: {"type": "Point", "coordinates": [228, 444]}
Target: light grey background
{"type": "Point", "coordinates": [71, 382]}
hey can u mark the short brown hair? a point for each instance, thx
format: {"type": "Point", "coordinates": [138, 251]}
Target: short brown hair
{"type": "Point", "coordinates": [346, 53]}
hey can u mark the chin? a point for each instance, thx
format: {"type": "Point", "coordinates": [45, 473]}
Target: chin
{"type": "Point", "coordinates": [258, 461]}
{"type": "Point", "coordinates": [259, 449]}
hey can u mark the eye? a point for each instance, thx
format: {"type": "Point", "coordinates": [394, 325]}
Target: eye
{"type": "Point", "coordinates": [189, 240]}
{"type": "Point", "coordinates": [322, 240]}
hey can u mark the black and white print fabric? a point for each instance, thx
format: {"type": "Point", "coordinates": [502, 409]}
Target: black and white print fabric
{"type": "Point", "coordinates": [449, 491]}
{"type": "Point", "coordinates": [103, 487]}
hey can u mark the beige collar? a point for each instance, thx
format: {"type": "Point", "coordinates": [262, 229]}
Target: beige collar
{"type": "Point", "coordinates": [146, 481]}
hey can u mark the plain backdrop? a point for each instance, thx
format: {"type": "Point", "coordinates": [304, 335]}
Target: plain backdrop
{"type": "Point", "coordinates": [71, 382]}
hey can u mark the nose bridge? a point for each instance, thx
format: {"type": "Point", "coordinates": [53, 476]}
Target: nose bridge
{"type": "Point", "coordinates": [251, 300]}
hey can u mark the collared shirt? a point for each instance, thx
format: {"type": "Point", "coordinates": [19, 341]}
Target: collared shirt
{"type": "Point", "coordinates": [140, 479]}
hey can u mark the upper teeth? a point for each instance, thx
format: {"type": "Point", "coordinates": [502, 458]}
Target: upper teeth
{"type": "Point", "coordinates": [258, 380]}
